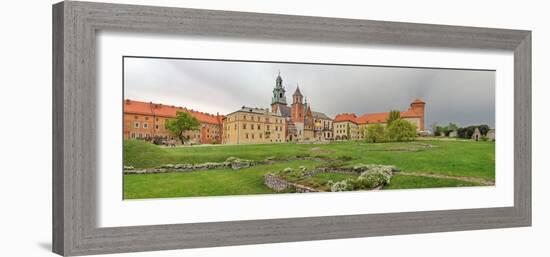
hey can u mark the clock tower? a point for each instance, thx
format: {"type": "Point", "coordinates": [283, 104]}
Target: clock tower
{"type": "Point", "coordinates": [279, 97]}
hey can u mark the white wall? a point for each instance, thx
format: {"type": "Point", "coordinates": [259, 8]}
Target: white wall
{"type": "Point", "coordinates": [25, 159]}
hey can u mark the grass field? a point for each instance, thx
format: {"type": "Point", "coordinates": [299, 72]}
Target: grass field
{"type": "Point", "coordinates": [450, 158]}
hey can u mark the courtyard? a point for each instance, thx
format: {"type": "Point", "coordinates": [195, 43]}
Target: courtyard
{"type": "Point", "coordinates": [422, 164]}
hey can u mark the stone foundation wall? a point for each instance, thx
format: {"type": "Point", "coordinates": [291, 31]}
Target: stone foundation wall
{"type": "Point", "coordinates": [234, 164]}
{"type": "Point", "coordinates": [230, 163]}
{"type": "Point", "coordinates": [279, 185]}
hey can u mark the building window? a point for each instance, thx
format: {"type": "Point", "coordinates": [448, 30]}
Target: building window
{"type": "Point", "coordinates": [252, 126]}
{"type": "Point", "coordinates": [244, 125]}
{"type": "Point", "coordinates": [146, 118]}
{"type": "Point", "coordinates": [145, 125]}
{"type": "Point", "coordinates": [252, 135]}
{"type": "Point", "coordinates": [135, 117]}
{"type": "Point", "coordinates": [258, 126]}
{"type": "Point", "coordinates": [136, 124]}
{"type": "Point", "coordinates": [267, 127]}
{"type": "Point", "coordinates": [260, 135]}
{"type": "Point", "coordinates": [246, 135]}
{"type": "Point", "coordinates": [157, 126]}
{"type": "Point", "coordinates": [157, 119]}
{"type": "Point", "coordinates": [133, 135]}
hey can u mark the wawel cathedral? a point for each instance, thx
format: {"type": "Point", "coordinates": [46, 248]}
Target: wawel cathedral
{"type": "Point", "coordinates": [299, 117]}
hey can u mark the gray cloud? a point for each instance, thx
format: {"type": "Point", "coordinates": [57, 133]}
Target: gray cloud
{"type": "Point", "coordinates": [465, 97]}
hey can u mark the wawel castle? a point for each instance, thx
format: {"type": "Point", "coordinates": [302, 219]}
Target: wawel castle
{"type": "Point", "coordinates": [283, 122]}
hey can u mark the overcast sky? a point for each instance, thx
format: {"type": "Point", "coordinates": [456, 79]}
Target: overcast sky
{"type": "Point", "coordinates": [461, 96]}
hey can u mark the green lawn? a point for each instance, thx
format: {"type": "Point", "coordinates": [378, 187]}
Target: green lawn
{"type": "Point", "coordinates": [203, 183]}
{"type": "Point", "coordinates": [409, 182]}
{"type": "Point", "coordinates": [453, 158]}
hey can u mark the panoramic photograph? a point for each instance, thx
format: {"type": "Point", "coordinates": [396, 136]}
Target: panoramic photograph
{"type": "Point", "coordinates": [199, 127]}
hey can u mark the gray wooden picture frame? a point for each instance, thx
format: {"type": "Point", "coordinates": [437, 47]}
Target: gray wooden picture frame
{"type": "Point", "coordinates": [74, 126]}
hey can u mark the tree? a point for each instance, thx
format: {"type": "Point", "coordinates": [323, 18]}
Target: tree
{"type": "Point", "coordinates": [182, 123]}
{"type": "Point", "coordinates": [483, 129]}
{"type": "Point", "coordinates": [461, 132]}
{"type": "Point", "coordinates": [470, 131]}
{"type": "Point", "coordinates": [440, 131]}
{"type": "Point", "coordinates": [401, 130]}
{"type": "Point", "coordinates": [394, 115]}
{"type": "Point", "coordinates": [434, 128]}
{"type": "Point", "coordinates": [375, 133]}
{"type": "Point", "coordinates": [451, 127]}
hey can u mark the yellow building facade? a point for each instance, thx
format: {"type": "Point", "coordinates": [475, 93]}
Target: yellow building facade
{"type": "Point", "coordinates": [323, 127]}
{"type": "Point", "coordinates": [346, 127]}
{"type": "Point", "coordinates": [253, 126]}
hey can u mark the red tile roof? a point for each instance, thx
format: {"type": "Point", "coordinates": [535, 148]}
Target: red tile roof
{"type": "Point", "coordinates": [167, 111]}
{"type": "Point", "coordinates": [383, 116]}
{"type": "Point", "coordinates": [369, 118]}
{"type": "Point", "coordinates": [346, 117]}
{"type": "Point", "coordinates": [373, 118]}
{"type": "Point", "coordinates": [410, 114]}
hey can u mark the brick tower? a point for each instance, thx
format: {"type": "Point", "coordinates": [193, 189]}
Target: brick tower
{"type": "Point", "coordinates": [417, 106]}
{"type": "Point", "coordinates": [297, 112]}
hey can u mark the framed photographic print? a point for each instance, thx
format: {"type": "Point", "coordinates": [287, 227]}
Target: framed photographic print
{"type": "Point", "coordinates": [183, 128]}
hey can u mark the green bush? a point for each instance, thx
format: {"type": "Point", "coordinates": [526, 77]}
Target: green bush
{"type": "Point", "coordinates": [291, 174]}
{"type": "Point", "coordinates": [401, 130]}
{"type": "Point", "coordinates": [373, 176]}
{"type": "Point", "coordinates": [340, 186]}
{"type": "Point", "coordinates": [374, 167]}
{"type": "Point", "coordinates": [371, 179]}
{"type": "Point", "coordinates": [393, 116]}
{"type": "Point", "coordinates": [375, 133]}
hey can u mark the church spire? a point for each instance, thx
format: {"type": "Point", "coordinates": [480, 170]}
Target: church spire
{"type": "Point", "coordinates": [279, 91]}
{"type": "Point", "coordinates": [297, 96]}
{"type": "Point", "coordinates": [297, 92]}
